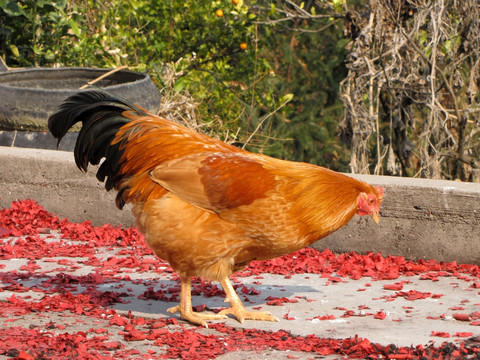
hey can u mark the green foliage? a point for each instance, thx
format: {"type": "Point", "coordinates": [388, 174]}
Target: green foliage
{"type": "Point", "coordinates": [24, 26]}
{"type": "Point", "coordinates": [307, 63]}
{"type": "Point", "coordinates": [278, 95]}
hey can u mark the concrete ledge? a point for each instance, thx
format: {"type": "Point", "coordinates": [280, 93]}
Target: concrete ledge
{"type": "Point", "coordinates": [52, 179]}
{"type": "Point", "coordinates": [420, 218]}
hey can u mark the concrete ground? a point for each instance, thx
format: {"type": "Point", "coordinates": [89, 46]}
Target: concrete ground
{"type": "Point", "coordinates": [425, 308]}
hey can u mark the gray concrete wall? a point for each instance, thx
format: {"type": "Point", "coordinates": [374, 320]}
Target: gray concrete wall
{"type": "Point", "coordinates": [53, 180]}
{"type": "Point", "coordinates": [420, 218]}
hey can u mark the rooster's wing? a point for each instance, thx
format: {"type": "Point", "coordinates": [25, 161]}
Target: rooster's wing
{"type": "Point", "coordinates": [215, 182]}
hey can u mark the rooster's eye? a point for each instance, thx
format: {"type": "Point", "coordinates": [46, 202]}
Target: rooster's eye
{"type": "Point", "coordinates": [370, 201]}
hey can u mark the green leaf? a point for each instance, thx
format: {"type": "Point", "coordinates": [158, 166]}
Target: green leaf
{"type": "Point", "coordinates": [179, 85]}
{"type": "Point", "coordinates": [338, 5]}
{"type": "Point", "coordinates": [428, 51]}
{"type": "Point", "coordinates": [11, 8]}
{"type": "Point", "coordinates": [14, 50]}
{"type": "Point", "coordinates": [272, 9]}
{"type": "Point", "coordinates": [448, 45]}
{"type": "Point", "coordinates": [37, 50]}
{"type": "Point", "coordinates": [74, 26]}
{"type": "Point", "coordinates": [59, 4]}
{"type": "Point", "coordinates": [42, 3]}
{"type": "Point", "coordinates": [286, 98]}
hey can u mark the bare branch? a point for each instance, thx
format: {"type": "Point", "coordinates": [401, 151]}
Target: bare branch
{"type": "Point", "coordinates": [421, 60]}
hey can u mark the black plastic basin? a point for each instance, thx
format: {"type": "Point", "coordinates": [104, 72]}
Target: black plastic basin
{"type": "Point", "coordinates": [28, 97]}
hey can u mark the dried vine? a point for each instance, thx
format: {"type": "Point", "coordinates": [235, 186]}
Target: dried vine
{"type": "Point", "coordinates": [412, 102]}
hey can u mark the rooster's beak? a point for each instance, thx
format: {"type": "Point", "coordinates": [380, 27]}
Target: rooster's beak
{"type": "Point", "coordinates": [375, 216]}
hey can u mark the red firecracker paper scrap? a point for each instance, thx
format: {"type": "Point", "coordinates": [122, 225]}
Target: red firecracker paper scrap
{"type": "Point", "coordinates": [37, 237]}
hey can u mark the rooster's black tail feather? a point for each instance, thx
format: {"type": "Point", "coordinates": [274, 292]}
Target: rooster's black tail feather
{"type": "Point", "coordinates": [102, 115]}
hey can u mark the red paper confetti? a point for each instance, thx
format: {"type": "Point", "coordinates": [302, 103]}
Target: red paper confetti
{"type": "Point", "coordinates": [440, 334]}
{"type": "Point", "coordinates": [380, 315]}
{"type": "Point", "coordinates": [463, 334]}
{"type": "Point", "coordinates": [273, 301]}
{"type": "Point", "coordinates": [324, 317]}
{"type": "Point", "coordinates": [199, 308]}
{"type": "Point", "coordinates": [395, 287]}
{"type": "Point", "coordinates": [288, 317]}
{"type": "Point", "coordinates": [462, 317]}
{"type": "Point", "coordinates": [26, 229]}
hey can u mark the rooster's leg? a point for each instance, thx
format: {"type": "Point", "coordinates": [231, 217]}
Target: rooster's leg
{"type": "Point", "coordinates": [185, 306]}
{"type": "Point", "coordinates": [236, 307]}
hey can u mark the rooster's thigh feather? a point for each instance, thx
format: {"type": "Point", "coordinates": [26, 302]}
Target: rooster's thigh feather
{"type": "Point", "coordinates": [194, 242]}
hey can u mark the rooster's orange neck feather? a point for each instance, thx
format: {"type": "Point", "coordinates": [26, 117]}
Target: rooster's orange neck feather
{"type": "Point", "coordinates": [329, 201]}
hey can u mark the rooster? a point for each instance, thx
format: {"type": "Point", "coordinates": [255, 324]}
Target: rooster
{"type": "Point", "coordinates": [206, 207]}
